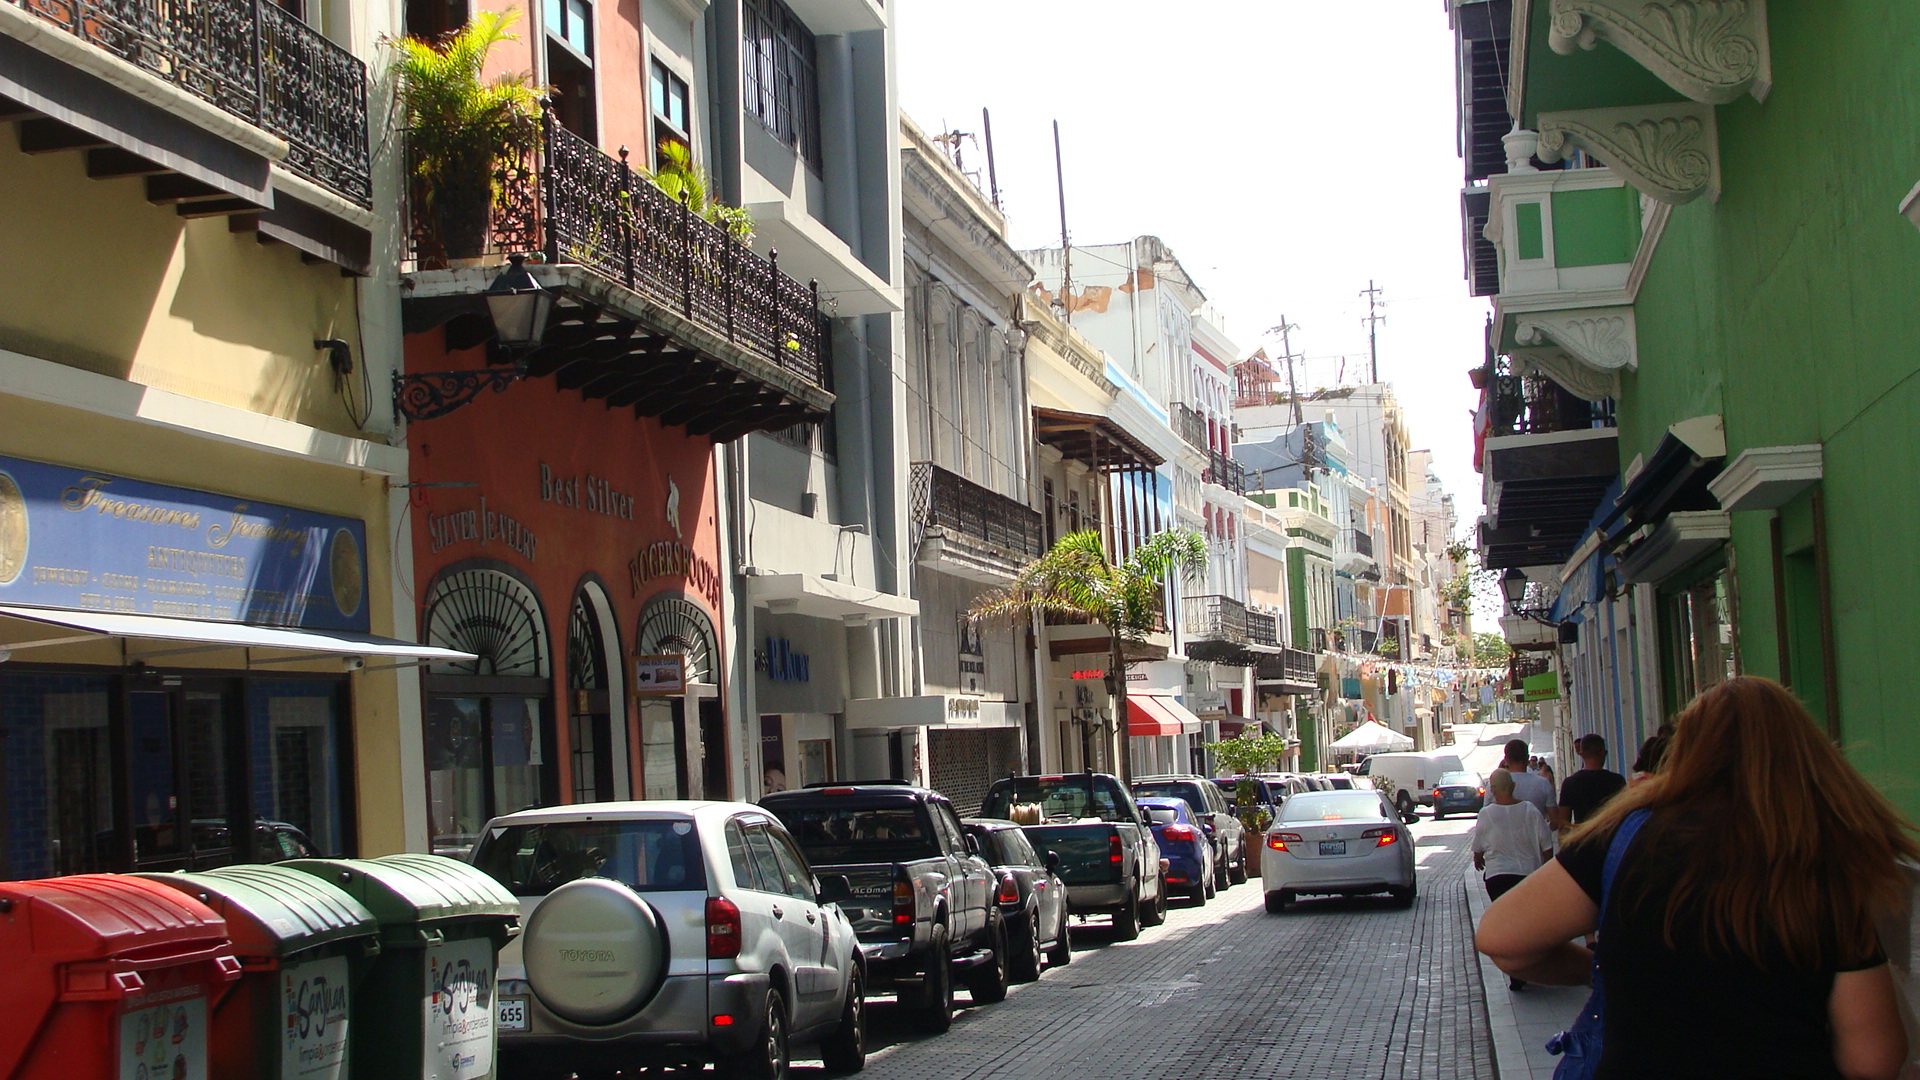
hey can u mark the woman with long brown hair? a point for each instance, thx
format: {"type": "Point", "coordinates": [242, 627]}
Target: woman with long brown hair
{"type": "Point", "coordinates": [1739, 936]}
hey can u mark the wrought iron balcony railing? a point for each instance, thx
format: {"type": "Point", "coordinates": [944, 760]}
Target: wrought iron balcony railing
{"type": "Point", "coordinates": [1536, 405]}
{"type": "Point", "coordinates": [1214, 618]}
{"type": "Point", "coordinates": [1189, 426]}
{"type": "Point", "coordinates": [949, 501]}
{"type": "Point", "coordinates": [1289, 665]}
{"type": "Point", "coordinates": [1226, 472]}
{"type": "Point", "coordinates": [571, 202]}
{"type": "Point", "coordinates": [250, 58]}
{"type": "Point", "coordinates": [1362, 542]}
{"type": "Point", "coordinates": [1262, 628]}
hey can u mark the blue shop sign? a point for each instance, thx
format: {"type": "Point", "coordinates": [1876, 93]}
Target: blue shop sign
{"type": "Point", "coordinates": [87, 540]}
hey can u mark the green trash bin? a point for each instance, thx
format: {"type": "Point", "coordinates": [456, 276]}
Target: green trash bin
{"type": "Point", "coordinates": [429, 995]}
{"type": "Point", "coordinates": [304, 946]}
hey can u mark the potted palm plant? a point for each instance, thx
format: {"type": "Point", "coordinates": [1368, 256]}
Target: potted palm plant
{"type": "Point", "coordinates": [462, 128]}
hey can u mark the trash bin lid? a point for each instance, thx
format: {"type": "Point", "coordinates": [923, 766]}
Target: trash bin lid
{"type": "Point", "coordinates": [100, 916]}
{"type": "Point", "coordinates": [274, 911]}
{"type": "Point", "coordinates": [415, 888]}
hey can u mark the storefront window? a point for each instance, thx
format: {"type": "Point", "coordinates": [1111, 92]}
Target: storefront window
{"type": "Point", "coordinates": [456, 772]}
{"type": "Point", "coordinates": [56, 797]}
{"type": "Point", "coordinates": [1703, 649]}
{"type": "Point", "coordinates": [660, 748]}
{"type": "Point", "coordinates": [296, 770]}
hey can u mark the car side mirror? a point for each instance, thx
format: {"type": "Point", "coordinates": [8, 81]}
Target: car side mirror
{"type": "Point", "coordinates": [835, 889]}
{"type": "Point", "coordinates": [1053, 862]}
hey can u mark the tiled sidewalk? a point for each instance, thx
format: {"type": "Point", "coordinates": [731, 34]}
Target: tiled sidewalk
{"type": "Point", "coordinates": [1522, 1022]}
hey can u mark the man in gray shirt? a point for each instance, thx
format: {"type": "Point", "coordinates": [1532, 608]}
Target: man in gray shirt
{"type": "Point", "coordinates": [1527, 786]}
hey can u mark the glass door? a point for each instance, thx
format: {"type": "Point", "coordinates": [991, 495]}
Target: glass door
{"type": "Point", "coordinates": [182, 758]}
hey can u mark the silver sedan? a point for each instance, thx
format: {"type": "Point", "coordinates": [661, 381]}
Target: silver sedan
{"type": "Point", "coordinates": [1342, 843]}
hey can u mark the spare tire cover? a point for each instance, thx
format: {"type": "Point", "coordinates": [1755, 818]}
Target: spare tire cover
{"type": "Point", "coordinates": [595, 951]}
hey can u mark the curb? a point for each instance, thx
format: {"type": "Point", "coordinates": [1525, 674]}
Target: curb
{"type": "Point", "coordinates": [1509, 1051]}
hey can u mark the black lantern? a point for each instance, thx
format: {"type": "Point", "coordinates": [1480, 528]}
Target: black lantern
{"type": "Point", "coordinates": [1514, 585]}
{"type": "Point", "coordinates": [519, 306]}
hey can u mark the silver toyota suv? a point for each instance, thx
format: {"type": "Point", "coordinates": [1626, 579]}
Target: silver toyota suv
{"type": "Point", "coordinates": [662, 933]}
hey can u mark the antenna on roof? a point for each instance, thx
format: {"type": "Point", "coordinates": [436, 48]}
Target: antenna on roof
{"type": "Point", "coordinates": [993, 174]}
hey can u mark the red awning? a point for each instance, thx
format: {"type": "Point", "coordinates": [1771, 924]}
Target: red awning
{"type": "Point", "coordinates": [1154, 714]}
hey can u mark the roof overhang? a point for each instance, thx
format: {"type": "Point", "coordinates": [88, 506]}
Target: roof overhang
{"type": "Point", "coordinates": [823, 598]}
{"type": "Point", "coordinates": [23, 628]}
{"type": "Point", "coordinates": [1677, 541]}
{"type": "Point", "coordinates": [1092, 438]}
{"type": "Point", "coordinates": [809, 251]}
{"type": "Point", "coordinates": [1767, 477]}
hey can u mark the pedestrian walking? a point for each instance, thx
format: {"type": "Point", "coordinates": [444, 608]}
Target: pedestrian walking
{"type": "Point", "coordinates": [1510, 841]}
{"type": "Point", "coordinates": [1738, 937]}
{"type": "Point", "coordinates": [1651, 752]}
{"type": "Point", "coordinates": [1584, 792]}
{"type": "Point", "coordinates": [1526, 784]}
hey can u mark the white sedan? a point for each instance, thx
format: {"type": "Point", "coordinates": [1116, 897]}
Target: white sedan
{"type": "Point", "coordinates": [1344, 843]}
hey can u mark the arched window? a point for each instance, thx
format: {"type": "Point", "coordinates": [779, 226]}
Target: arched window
{"type": "Point", "coordinates": [596, 745]}
{"type": "Point", "coordinates": [488, 721]}
{"type": "Point", "coordinates": [673, 625]}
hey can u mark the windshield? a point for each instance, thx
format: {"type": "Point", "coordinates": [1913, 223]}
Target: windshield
{"type": "Point", "coordinates": [1459, 779]}
{"type": "Point", "coordinates": [652, 856]}
{"type": "Point", "coordinates": [860, 834]}
{"type": "Point", "coordinates": [1031, 800]}
{"type": "Point", "coordinates": [1168, 790]}
{"type": "Point", "coordinates": [1309, 806]}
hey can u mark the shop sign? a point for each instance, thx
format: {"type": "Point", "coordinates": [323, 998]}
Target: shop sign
{"type": "Point", "coordinates": [973, 656]}
{"type": "Point", "coordinates": [313, 998]}
{"type": "Point", "coordinates": [482, 526]}
{"type": "Point", "coordinates": [591, 493]}
{"type": "Point", "coordinates": [655, 676]}
{"type": "Point", "coordinates": [783, 664]}
{"type": "Point", "coordinates": [457, 1043]}
{"type": "Point", "coordinates": [1542, 687]}
{"type": "Point", "coordinates": [963, 710]}
{"type": "Point", "coordinates": [671, 558]}
{"type": "Point", "coordinates": [79, 539]}
{"type": "Point", "coordinates": [166, 1041]}
{"type": "Point", "coordinates": [1094, 673]}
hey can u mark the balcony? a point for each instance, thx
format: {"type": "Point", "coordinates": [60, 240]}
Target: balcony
{"type": "Point", "coordinates": [969, 531]}
{"type": "Point", "coordinates": [1226, 472]}
{"type": "Point", "coordinates": [658, 310]}
{"type": "Point", "coordinates": [1189, 425]}
{"type": "Point", "coordinates": [232, 60]}
{"type": "Point", "coordinates": [1215, 629]}
{"type": "Point", "coordinates": [1262, 628]}
{"type": "Point", "coordinates": [1362, 542]}
{"type": "Point", "coordinates": [1289, 671]}
{"type": "Point", "coordinates": [1548, 459]}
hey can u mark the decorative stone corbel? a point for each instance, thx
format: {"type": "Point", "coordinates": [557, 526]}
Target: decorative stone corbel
{"type": "Point", "coordinates": [1710, 50]}
{"type": "Point", "coordinates": [1668, 152]}
{"type": "Point", "coordinates": [1582, 349]}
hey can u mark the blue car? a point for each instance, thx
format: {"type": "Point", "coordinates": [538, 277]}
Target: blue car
{"type": "Point", "coordinates": [1185, 845]}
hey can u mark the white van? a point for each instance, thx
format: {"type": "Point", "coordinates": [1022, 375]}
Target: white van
{"type": "Point", "coordinates": [1413, 776]}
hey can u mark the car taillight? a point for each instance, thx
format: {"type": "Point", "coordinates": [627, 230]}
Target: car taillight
{"type": "Point", "coordinates": [902, 901]}
{"type": "Point", "coordinates": [1176, 832]}
{"type": "Point", "coordinates": [1436, 793]}
{"type": "Point", "coordinates": [723, 928]}
{"type": "Point", "coordinates": [1483, 791]}
{"type": "Point", "coordinates": [1279, 841]}
{"type": "Point", "coordinates": [1115, 853]}
{"type": "Point", "coordinates": [1384, 836]}
{"type": "Point", "coordinates": [1009, 890]}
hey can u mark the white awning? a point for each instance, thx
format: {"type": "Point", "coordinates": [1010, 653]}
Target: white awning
{"type": "Point", "coordinates": [824, 598]}
{"type": "Point", "coordinates": [210, 635]}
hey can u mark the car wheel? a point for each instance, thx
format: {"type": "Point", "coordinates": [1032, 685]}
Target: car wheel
{"type": "Point", "coordinates": [934, 1014]}
{"type": "Point", "coordinates": [1155, 912]}
{"type": "Point", "coordinates": [845, 1051]}
{"type": "Point", "coordinates": [1126, 920]}
{"type": "Point", "coordinates": [766, 1057]}
{"type": "Point", "coordinates": [1403, 894]}
{"type": "Point", "coordinates": [988, 982]}
{"type": "Point", "coordinates": [1062, 952]}
{"type": "Point", "coordinates": [1276, 903]}
{"type": "Point", "coordinates": [1220, 878]}
{"type": "Point", "coordinates": [1238, 875]}
{"type": "Point", "coordinates": [1199, 893]}
{"type": "Point", "coordinates": [1024, 964]}
{"type": "Point", "coordinates": [1439, 814]}
{"type": "Point", "coordinates": [1405, 805]}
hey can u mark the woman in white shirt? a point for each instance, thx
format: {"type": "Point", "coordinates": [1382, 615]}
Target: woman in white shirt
{"type": "Point", "coordinates": [1510, 840]}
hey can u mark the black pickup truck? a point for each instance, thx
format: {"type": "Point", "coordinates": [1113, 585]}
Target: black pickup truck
{"type": "Point", "coordinates": [1109, 859]}
{"type": "Point", "coordinates": [923, 902]}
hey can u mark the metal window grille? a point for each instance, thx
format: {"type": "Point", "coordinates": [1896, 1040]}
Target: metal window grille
{"type": "Point", "coordinates": [779, 70]}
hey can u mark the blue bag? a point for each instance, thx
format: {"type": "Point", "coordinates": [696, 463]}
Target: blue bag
{"type": "Point", "coordinates": [1579, 1045]}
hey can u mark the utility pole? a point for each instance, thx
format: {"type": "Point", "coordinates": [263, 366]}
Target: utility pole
{"type": "Point", "coordinates": [1285, 329]}
{"type": "Point", "coordinates": [1066, 249]}
{"type": "Point", "coordinates": [1374, 319]}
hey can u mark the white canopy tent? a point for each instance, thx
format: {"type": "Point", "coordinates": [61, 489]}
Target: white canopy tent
{"type": "Point", "coordinates": [1371, 737]}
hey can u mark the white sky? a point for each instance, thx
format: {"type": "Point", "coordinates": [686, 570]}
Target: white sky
{"type": "Point", "coordinates": [1287, 152]}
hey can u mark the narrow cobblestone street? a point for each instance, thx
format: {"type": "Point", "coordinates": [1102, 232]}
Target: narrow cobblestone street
{"type": "Point", "coordinates": [1334, 988]}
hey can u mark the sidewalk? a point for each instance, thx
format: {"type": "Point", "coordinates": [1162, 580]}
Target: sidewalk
{"type": "Point", "coordinates": [1522, 1022]}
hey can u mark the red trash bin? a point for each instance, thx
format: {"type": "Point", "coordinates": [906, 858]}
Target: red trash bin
{"type": "Point", "coordinates": [108, 976]}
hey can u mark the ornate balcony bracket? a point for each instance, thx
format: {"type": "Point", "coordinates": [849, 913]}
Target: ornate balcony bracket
{"type": "Point", "coordinates": [429, 395]}
{"type": "Point", "coordinates": [1582, 349]}
{"type": "Point", "coordinates": [1712, 51]}
{"type": "Point", "coordinates": [1670, 153]}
